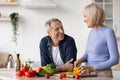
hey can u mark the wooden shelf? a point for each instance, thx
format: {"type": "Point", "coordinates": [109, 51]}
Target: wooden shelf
{"type": "Point", "coordinates": [8, 3]}
{"type": "Point", "coordinates": [4, 19]}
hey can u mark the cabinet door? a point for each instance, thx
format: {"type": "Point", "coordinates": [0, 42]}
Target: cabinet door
{"type": "Point", "coordinates": [116, 14]}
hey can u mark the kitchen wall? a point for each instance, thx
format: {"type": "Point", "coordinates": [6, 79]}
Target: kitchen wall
{"type": "Point", "coordinates": [31, 27]}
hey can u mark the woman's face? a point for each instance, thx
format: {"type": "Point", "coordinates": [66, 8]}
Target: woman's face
{"type": "Point", "coordinates": [87, 21]}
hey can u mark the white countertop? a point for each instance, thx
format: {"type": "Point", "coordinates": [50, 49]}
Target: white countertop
{"type": "Point", "coordinates": [9, 74]}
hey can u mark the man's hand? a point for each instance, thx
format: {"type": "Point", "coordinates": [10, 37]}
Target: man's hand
{"type": "Point", "coordinates": [68, 66]}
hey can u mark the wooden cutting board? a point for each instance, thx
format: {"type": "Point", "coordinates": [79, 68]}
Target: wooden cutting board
{"type": "Point", "coordinates": [92, 74]}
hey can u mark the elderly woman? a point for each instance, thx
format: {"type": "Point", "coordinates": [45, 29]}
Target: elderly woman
{"type": "Point", "coordinates": [101, 50]}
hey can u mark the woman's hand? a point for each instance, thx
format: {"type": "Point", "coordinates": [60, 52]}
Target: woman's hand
{"type": "Point", "coordinates": [87, 69]}
{"type": "Point", "coordinates": [84, 70]}
{"type": "Point", "coordinates": [78, 62]}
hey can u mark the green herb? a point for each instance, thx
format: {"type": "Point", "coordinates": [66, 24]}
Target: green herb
{"type": "Point", "coordinates": [14, 21]}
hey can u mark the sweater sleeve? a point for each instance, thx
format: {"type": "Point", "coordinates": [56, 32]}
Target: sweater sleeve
{"type": "Point", "coordinates": [113, 51]}
{"type": "Point", "coordinates": [84, 57]}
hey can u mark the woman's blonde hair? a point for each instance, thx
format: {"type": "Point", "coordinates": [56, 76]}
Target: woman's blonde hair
{"type": "Point", "coordinates": [95, 13]}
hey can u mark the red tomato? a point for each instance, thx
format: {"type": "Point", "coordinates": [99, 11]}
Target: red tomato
{"type": "Point", "coordinates": [47, 76]}
{"type": "Point", "coordinates": [33, 72]}
{"type": "Point", "coordinates": [19, 73]}
{"type": "Point", "coordinates": [28, 74]}
{"type": "Point", "coordinates": [77, 76]}
{"type": "Point", "coordinates": [24, 69]}
{"type": "Point", "coordinates": [64, 75]}
{"type": "Point", "coordinates": [60, 76]}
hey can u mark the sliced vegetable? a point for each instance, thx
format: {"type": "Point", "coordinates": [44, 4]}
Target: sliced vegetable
{"type": "Point", "coordinates": [69, 73]}
{"type": "Point", "coordinates": [50, 69]}
{"type": "Point", "coordinates": [76, 71]}
{"type": "Point", "coordinates": [41, 73]}
{"type": "Point", "coordinates": [39, 69]}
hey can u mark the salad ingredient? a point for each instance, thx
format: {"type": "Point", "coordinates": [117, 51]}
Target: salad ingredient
{"type": "Point", "coordinates": [49, 69]}
{"type": "Point", "coordinates": [19, 73]}
{"type": "Point", "coordinates": [76, 71]}
{"type": "Point", "coordinates": [47, 76]}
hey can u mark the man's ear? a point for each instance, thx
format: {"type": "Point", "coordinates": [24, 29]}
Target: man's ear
{"type": "Point", "coordinates": [48, 32]}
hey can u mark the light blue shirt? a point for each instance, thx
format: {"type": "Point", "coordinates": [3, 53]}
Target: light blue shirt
{"type": "Point", "coordinates": [101, 50]}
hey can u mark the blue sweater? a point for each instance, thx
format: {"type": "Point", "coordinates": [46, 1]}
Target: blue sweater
{"type": "Point", "coordinates": [67, 48]}
{"type": "Point", "coordinates": [101, 50]}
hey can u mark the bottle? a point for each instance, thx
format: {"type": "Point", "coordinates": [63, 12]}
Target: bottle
{"type": "Point", "coordinates": [18, 62]}
{"type": "Point", "coordinates": [10, 62]}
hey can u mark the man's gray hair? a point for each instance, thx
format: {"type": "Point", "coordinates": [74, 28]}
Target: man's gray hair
{"type": "Point", "coordinates": [47, 24]}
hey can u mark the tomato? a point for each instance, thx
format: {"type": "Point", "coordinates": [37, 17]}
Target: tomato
{"type": "Point", "coordinates": [77, 76]}
{"type": "Point", "coordinates": [19, 73]}
{"type": "Point", "coordinates": [39, 69]}
{"type": "Point", "coordinates": [47, 76]}
{"type": "Point", "coordinates": [33, 72]}
{"type": "Point", "coordinates": [25, 68]}
{"type": "Point", "coordinates": [28, 74]}
{"type": "Point", "coordinates": [64, 75]}
{"type": "Point", "coordinates": [60, 76]}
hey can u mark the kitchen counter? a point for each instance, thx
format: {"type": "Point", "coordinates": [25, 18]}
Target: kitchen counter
{"type": "Point", "coordinates": [9, 74]}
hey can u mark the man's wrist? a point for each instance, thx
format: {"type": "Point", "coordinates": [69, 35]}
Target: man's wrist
{"type": "Point", "coordinates": [60, 68]}
{"type": "Point", "coordinates": [63, 68]}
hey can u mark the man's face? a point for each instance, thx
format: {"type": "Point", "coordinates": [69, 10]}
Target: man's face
{"type": "Point", "coordinates": [56, 32]}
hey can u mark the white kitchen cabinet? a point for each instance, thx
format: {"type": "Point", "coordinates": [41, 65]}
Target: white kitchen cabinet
{"type": "Point", "coordinates": [112, 12]}
{"type": "Point", "coordinates": [116, 18]}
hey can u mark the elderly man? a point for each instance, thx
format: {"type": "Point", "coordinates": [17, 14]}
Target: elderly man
{"type": "Point", "coordinates": [57, 48]}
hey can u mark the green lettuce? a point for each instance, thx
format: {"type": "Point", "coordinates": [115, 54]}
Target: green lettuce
{"type": "Point", "coordinates": [49, 69]}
